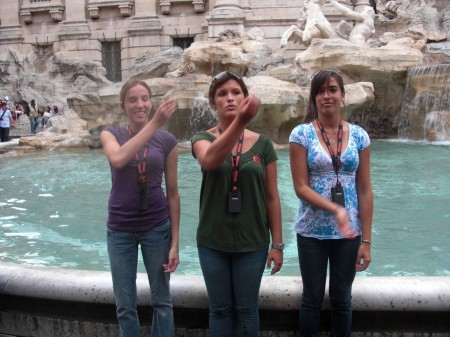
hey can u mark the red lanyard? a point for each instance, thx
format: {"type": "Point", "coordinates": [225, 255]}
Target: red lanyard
{"type": "Point", "coordinates": [235, 161]}
{"type": "Point", "coordinates": [141, 163]}
{"type": "Point", "coordinates": [336, 159]}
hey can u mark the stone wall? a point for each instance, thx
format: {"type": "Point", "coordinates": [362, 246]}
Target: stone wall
{"type": "Point", "coordinates": [51, 51]}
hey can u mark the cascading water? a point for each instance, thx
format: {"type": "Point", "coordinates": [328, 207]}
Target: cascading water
{"type": "Point", "coordinates": [425, 111]}
{"type": "Point", "coordinates": [201, 117]}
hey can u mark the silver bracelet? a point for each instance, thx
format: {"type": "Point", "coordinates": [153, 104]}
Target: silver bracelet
{"type": "Point", "coordinates": [366, 241]}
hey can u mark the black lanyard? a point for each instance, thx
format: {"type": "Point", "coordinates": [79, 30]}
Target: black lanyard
{"type": "Point", "coordinates": [336, 159]}
{"type": "Point", "coordinates": [141, 164]}
{"type": "Point", "coordinates": [235, 161]}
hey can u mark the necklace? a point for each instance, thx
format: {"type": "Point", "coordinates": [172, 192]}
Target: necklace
{"type": "Point", "coordinates": [331, 141]}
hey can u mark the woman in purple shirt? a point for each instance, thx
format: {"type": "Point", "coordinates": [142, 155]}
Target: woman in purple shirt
{"type": "Point", "coordinates": [139, 211]}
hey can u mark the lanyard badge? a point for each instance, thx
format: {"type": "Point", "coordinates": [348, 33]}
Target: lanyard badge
{"type": "Point", "coordinates": [337, 191]}
{"type": "Point", "coordinates": [235, 196]}
{"type": "Point", "coordinates": [142, 178]}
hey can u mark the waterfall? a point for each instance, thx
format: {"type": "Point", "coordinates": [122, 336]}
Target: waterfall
{"type": "Point", "coordinates": [202, 118]}
{"type": "Point", "coordinates": [425, 111]}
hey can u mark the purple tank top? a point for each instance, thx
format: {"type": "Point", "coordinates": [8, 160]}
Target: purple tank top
{"type": "Point", "coordinates": [124, 200]}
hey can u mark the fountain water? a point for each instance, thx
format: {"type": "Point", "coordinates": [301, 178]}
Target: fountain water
{"type": "Point", "coordinates": [426, 104]}
{"type": "Point", "coordinates": [201, 117]}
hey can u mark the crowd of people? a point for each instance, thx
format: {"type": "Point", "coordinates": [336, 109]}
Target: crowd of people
{"type": "Point", "coordinates": [239, 231]}
{"type": "Point", "coordinates": [13, 115]}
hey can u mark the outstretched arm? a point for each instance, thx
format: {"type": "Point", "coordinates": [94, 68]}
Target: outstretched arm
{"type": "Point", "coordinates": [211, 155]}
{"type": "Point", "coordinates": [119, 155]}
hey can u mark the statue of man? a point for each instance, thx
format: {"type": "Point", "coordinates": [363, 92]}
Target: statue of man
{"type": "Point", "coordinates": [364, 26]}
{"type": "Point", "coordinates": [312, 24]}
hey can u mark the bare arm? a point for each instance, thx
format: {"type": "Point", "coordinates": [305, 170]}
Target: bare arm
{"type": "Point", "coordinates": [300, 176]}
{"type": "Point", "coordinates": [274, 217]}
{"type": "Point", "coordinates": [211, 155]}
{"type": "Point", "coordinates": [365, 201]}
{"type": "Point", "coordinates": [173, 198]}
{"type": "Point", "coordinates": [347, 11]}
{"type": "Point", "coordinates": [119, 155]}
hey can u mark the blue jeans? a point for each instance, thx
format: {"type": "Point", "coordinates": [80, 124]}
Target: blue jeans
{"type": "Point", "coordinates": [34, 123]}
{"type": "Point", "coordinates": [313, 256]}
{"type": "Point", "coordinates": [123, 250]}
{"type": "Point", "coordinates": [233, 281]}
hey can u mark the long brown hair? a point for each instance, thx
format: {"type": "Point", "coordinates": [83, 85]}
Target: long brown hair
{"type": "Point", "coordinates": [317, 81]}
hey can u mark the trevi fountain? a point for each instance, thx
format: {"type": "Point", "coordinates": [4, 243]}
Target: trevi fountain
{"type": "Point", "coordinates": [395, 60]}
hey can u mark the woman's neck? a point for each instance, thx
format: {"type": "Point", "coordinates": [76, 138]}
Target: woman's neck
{"type": "Point", "coordinates": [135, 128]}
{"type": "Point", "coordinates": [330, 121]}
{"type": "Point", "coordinates": [223, 125]}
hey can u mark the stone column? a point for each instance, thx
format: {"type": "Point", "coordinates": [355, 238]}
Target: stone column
{"type": "Point", "coordinates": [75, 39]}
{"type": "Point", "coordinates": [75, 25]}
{"type": "Point", "coordinates": [143, 33]}
{"type": "Point", "coordinates": [10, 29]}
{"type": "Point", "coordinates": [226, 14]}
{"type": "Point", "coordinates": [145, 20]}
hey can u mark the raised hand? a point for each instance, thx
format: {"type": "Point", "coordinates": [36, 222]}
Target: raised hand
{"type": "Point", "coordinates": [164, 112]}
{"type": "Point", "coordinates": [248, 108]}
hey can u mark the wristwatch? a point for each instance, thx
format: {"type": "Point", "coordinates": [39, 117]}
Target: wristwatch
{"type": "Point", "coordinates": [279, 246]}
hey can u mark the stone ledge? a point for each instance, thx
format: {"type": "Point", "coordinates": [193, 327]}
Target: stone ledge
{"type": "Point", "coordinates": [34, 299]}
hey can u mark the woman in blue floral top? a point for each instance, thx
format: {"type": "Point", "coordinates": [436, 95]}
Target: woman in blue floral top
{"type": "Point", "coordinates": [330, 164]}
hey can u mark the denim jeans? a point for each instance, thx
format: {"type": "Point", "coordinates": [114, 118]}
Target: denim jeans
{"type": "Point", "coordinates": [123, 250]}
{"type": "Point", "coordinates": [313, 256]}
{"type": "Point", "coordinates": [34, 123]}
{"type": "Point", "coordinates": [232, 282]}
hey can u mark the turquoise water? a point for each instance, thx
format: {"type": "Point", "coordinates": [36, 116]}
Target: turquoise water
{"type": "Point", "coordinates": [53, 210]}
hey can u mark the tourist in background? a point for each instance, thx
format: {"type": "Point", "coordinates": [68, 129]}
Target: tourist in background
{"type": "Point", "coordinates": [19, 111]}
{"type": "Point", "coordinates": [40, 119]}
{"type": "Point", "coordinates": [330, 164]}
{"type": "Point", "coordinates": [34, 123]}
{"type": "Point", "coordinates": [239, 209]}
{"type": "Point", "coordinates": [46, 116]}
{"type": "Point", "coordinates": [6, 100]}
{"type": "Point", "coordinates": [139, 212]}
{"type": "Point", "coordinates": [6, 122]}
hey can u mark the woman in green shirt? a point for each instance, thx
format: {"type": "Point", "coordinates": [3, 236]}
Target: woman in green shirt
{"type": "Point", "coordinates": [239, 209]}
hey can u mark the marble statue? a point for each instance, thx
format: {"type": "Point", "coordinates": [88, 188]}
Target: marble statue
{"type": "Point", "coordinates": [364, 25]}
{"type": "Point", "coordinates": [311, 24]}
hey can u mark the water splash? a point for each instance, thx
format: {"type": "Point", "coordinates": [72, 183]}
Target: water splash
{"type": "Point", "coordinates": [425, 111]}
{"type": "Point", "coordinates": [202, 118]}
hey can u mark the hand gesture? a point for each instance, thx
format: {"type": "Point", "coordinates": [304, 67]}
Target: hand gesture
{"type": "Point", "coordinates": [164, 112]}
{"type": "Point", "coordinates": [248, 108]}
{"type": "Point", "coordinates": [343, 223]}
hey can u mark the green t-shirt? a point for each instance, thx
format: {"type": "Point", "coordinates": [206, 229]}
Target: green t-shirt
{"type": "Point", "coordinates": [236, 232]}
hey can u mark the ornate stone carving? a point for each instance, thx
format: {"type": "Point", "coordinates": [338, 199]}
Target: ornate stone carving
{"type": "Point", "coordinates": [94, 7]}
{"type": "Point", "coordinates": [165, 5]}
{"type": "Point", "coordinates": [54, 7]}
{"type": "Point", "coordinates": [311, 24]}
